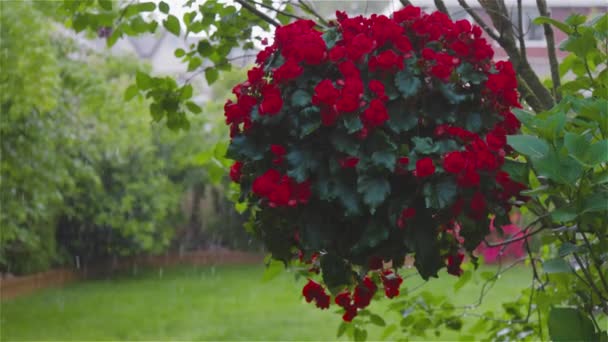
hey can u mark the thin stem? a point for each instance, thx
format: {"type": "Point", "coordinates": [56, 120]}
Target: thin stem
{"type": "Point", "coordinates": [551, 52]}
{"type": "Point", "coordinates": [308, 8]}
{"type": "Point", "coordinates": [278, 11]}
{"type": "Point", "coordinates": [489, 31]}
{"type": "Point", "coordinates": [596, 263]}
{"type": "Point", "coordinates": [441, 7]}
{"type": "Point", "coordinates": [251, 8]}
{"type": "Point", "coordinates": [520, 29]}
{"type": "Point", "coordinates": [405, 3]}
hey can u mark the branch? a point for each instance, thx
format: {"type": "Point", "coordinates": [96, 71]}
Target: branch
{"type": "Point", "coordinates": [550, 39]}
{"type": "Point", "coordinates": [278, 11]}
{"type": "Point", "coordinates": [405, 3]}
{"type": "Point", "coordinates": [496, 10]}
{"type": "Point", "coordinates": [538, 219]}
{"type": "Point", "coordinates": [520, 29]}
{"type": "Point", "coordinates": [441, 7]}
{"type": "Point", "coordinates": [251, 8]}
{"type": "Point", "coordinates": [489, 31]}
{"type": "Point", "coordinates": [308, 8]}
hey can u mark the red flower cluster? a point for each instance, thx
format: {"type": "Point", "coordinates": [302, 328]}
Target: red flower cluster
{"type": "Point", "coordinates": [314, 291]}
{"type": "Point", "coordinates": [409, 105]}
{"type": "Point", "coordinates": [281, 190]}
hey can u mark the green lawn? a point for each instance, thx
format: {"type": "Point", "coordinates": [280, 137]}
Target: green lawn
{"type": "Point", "coordinates": [202, 303]}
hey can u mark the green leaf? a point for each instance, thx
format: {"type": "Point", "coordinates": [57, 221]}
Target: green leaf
{"type": "Point", "coordinates": [596, 202]}
{"type": "Point", "coordinates": [564, 215]}
{"type": "Point", "coordinates": [131, 92]}
{"type": "Point", "coordinates": [105, 4]}
{"type": "Point", "coordinates": [473, 122]}
{"type": "Point", "coordinates": [386, 159]}
{"type": "Point", "coordinates": [388, 331]}
{"type": "Point", "coordinates": [172, 24]}
{"type": "Point", "coordinates": [179, 53]}
{"type": "Point", "coordinates": [450, 93]}
{"type": "Point", "coordinates": [528, 145]}
{"type": "Point", "coordinates": [407, 83]}
{"type": "Point", "coordinates": [163, 7]}
{"type": "Point", "coordinates": [345, 143]}
{"type": "Point", "coordinates": [330, 37]}
{"type": "Point", "coordinates": [576, 19]}
{"type": "Point", "coordinates": [360, 335]}
{"type": "Point", "coordinates": [186, 92]}
{"type": "Point", "coordinates": [300, 98]}
{"type": "Point", "coordinates": [557, 265]}
{"type": "Point", "coordinates": [352, 123]}
{"type": "Point", "coordinates": [562, 169]}
{"type": "Point", "coordinates": [273, 269]}
{"type": "Point", "coordinates": [561, 26]}
{"type": "Point", "coordinates": [346, 194]}
{"type": "Point", "coordinates": [193, 107]}
{"type": "Point", "coordinates": [143, 81]}
{"type": "Point", "coordinates": [441, 194]}
{"type": "Point", "coordinates": [585, 153]}
{"type": "Point", "coordinates": [373, 234]}
{"type": "Point", "coordinates": [400, 119]}
{"type": "Point", "coordinates": [310, 120]}
{"type": "Point", "coordinates": [377, 320]}
{"type": "Point", "coordinates": [337, 273]}
{"type": "Point", "coordinates": [374, 190]}
{"type": "Point", "coordinates": [464, 278]}
{"type": "Point", "coordinates": [468, 74]}
{"type": "Point", "coordinates": [211, 75]}
{"type": "Point", "coordinates": [570, 324]}
{"type": "Point", "coordinates": [424, 145]}
{"type": "Point", "coordinates": [301, 163]}
{"type": "Point", "coordinates": [566, 249]}
{"type": "Point", "coordinates": [342, 329]}
{"type": "Point", "coordinates": [580, 44]}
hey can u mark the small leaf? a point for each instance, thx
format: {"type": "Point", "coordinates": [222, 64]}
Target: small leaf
{"type": "Point", "coordinates": [142, 80]}
{"type": "Point", "coordinates": [211, 75]}
{"type": "Point", "coordinates": [131, 92]}
{"type": "Point", "coordinates": [377, 320]}
{"type": "Point", "coordinates": [179, 53]}
{"type": "Point", "coordinates": [570, 324]}
{"type": "Point", "coordinates": [557, 265]}
{"type": "Point", "coordinates": [386, 159]}
{"type": "Point", "coordinates": [465, 277]}
{"type": "Point", "coordinates": [105, 4]}
{"type": "Point", "coordinates": [407, 83]}
{"type": "Point", "coordinates": [193, 107]}
{"type": "Point", "coordinates": [172, 24]}
{"type": "Point", "coordinates": [300, 98]}
{"type": "Point", "coordinates": [360, 335]}
{"type": "Point", "coordinates": [566, 249]}
{"type": "Point", "coordinates": [388, 331]}
{"type": "Point", "coordinates": [528, 145]}
{"type": "Point", "coordinates": [561, 26]}
{"type": "Point", "coordinates": [273, 269]}
{"type": "Point", "coordinates": [163, 7]}
{"type": "Point", "coordinates": [374, 190]}
{"type": "Point", "coordinates": [186, 92]}
{"type": "Point", "coordinates": [564, 215]}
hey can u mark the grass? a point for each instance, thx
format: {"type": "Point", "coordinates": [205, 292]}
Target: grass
{"type": "Point", "coordinates": [204, 303]}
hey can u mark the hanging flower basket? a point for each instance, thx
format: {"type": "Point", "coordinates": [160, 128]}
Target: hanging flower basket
{"type": "Point", "coordinates": [372, 140]}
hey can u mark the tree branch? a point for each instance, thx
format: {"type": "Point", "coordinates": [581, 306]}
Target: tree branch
{"type": "Point", "coordinates": [496, 10]}
{"type": "Point", "coordinates": [441, 7]}
{"type": "Point", "coordinates": [489, 31]}
{"type": "Point", "coordinates": [251, 8]}
{"type": "Point", "coordinates": [278, 11]}
{"type": "Point", "coordinates": [550, 39]}
{"type": "Point", "coordinates": [405, 3]}
{"type": "Point", "coordinates": [521, 35]}
{"type": "Point", "coordinates": [308, 8]}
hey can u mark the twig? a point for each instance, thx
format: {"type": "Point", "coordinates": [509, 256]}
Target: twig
{"type": "Point", "coordinates": [520, 29]}
{"type": "Point", "coordinates": [308, 8]}
{"type": "Point", "coordinates": [596, 263]}
{"type": "Point", "coordinates": [251, 8]}
{"type": "Point", "coordinates": [277, 10]}
{"type": "Point", "coordinates": [405, 3]}
{"type": "Point", "coordinates": [551, 53]}
{"type": "Point", "coordinates": [538, 219]}
{"type": "Point", "coordinates": [489, 31]}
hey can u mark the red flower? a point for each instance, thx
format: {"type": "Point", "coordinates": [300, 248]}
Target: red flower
{"type": "Point", "coordinates": [281, 194]}
{"type": "Point", "coordinates": [391, 282]}
{"type": "Point", "coordinates": [364, 293]}
{"type": "Point", "coordinates": [255, 75]}
{"type": "Point", "coordinates": [478, 206]}
{"type": "Point", "coordinates": [349, 162]}
{"type": "Point", "coordinates": [350, 70]}
{"type": "Point", "coordinates": [401, 167]}
{"type": "Point", "coordinates": [424, 167]}
{"type": "Point", "coordinates": [288, 71]}
{"type": "Point", "coordinates": [469, 178]}
{"type": "Point", "coordinates": [343, 299]}
{"type": "Point", "coordinates": [271, 100]}
{"type": "Point", "coordinates": [375, 115]}
{"type": "Point", "coordinates": [279, 153]}
{"type": "Point", "coordinates": [337, 53]}
{"type": "Point", "coordinates": [328, 116]}
{"type": "Point", "coordinates": [265, 184]}
{"type": "Point", "coordinates": [313, 291]}
{"type": "Point", "coordinates": [375, 263]}
{"type": "Point", "coordinates": [325, 93]}
{"type": "Point", "coordinates": [407, 13]}
{"type": "Point", "coordinates": [406, 214]}
{"type": "Point", "coordinates": [235, 171]}
{"type": "Point", "coordinates": [497, 138]}
{"type": "Point", "coordinates": [359, 46]}
{"type": "Point", "coordinates": [454, 162]}
{"type": "Point", "coordinates": [347, 103]}
{"type": "Point", "coordinates": [377, 88]}
{"type": "Point", "coordinates": [454, 262]}
{"type": "Point", "coordinates": [387, 60]}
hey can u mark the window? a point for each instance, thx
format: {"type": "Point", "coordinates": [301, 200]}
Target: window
{"type": "Point", "coordinates": [533, 33]}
